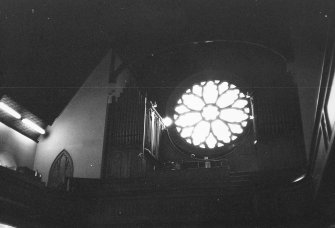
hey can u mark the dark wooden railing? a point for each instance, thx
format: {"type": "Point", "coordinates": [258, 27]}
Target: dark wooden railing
{"type": "Point", "coordinates": [27, 202]}
{"type": "Point", "coordinates": [182, 196]}
{"type": "Point", "coordinates": [171, 198]}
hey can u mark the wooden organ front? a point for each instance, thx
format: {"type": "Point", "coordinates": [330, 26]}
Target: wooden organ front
{"type": "Point", "coordinates": [132, 137]}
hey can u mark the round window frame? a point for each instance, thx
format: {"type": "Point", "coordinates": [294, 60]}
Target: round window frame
{"type": "Point", "coordinates": [196, 151]}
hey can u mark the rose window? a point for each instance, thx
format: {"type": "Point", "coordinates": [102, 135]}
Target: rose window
{"type": "Point", "coordinates": [212, 114]}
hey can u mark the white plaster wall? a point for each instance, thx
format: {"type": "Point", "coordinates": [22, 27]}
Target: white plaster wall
{"type": "Point", "coordinates": [80, 127]}
{"type": "Point", "coordinates": [15, 148]}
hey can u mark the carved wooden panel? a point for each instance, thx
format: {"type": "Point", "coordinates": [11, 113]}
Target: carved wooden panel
{"type": "Point", "coordinates": [61, 168]}
{"type": "Point", "coordinates": [123, 163]}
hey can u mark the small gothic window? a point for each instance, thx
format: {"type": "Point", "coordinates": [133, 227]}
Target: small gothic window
{"type": "Point", "coordinates": [61, 168]}
{"type": "Point", "coordinates": [212, 114]}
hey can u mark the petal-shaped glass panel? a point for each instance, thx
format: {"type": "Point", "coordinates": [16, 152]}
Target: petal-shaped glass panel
{"type": "Point", "coordinates": [223, 87]}
{"type": "Point", "coordinates": [197, 90]}
{"type": "Point", "coordinates": [240, 103]}
{"type": "Point", "coordinates": [193, 102]}
{"type": "Point", "coordinates": [227, 98]}
{"type": "Point", "coordinates": [200, 132]}
{"type": "Point", "coordinates": [226, 139]}
{"type": "Point", "coordinates": [180, 109]}
{"type": "Point", "coordinates": [188, 119]}
{"type": "Point", "coordinates": [235, 128]}
{"type": "Point", "coordinates": [220, 129]}
{"type": "Point", "coordinates": [186, 132]}
{"type": "Point", "coordinates": [211, 141]}
{"type": "Point", "coordinates": [233, 115]}
{"type": "Point", "coordinates": [210, 93]}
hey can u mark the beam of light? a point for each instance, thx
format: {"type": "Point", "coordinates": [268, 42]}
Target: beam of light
{"type": "Point", "coordinates": [33, 126]}
{"type": "Point", "coordinates": [167, 121]}
{"type": "Point", "coordinates": [9, 110]}
{"type": "Point", "coordinates": [299, 178]}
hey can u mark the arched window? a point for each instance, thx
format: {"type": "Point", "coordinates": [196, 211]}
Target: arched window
{"type": "Point", "coordinates": [61, 168]}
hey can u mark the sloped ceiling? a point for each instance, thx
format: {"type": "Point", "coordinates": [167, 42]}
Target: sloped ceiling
{"type": "Point", "coordinates": [49, 47]}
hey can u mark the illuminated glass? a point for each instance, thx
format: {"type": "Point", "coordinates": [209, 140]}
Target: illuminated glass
{"type": "Point", "coordinates": [212, 114]}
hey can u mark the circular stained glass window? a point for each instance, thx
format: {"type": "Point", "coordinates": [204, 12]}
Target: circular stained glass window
{"type": "Point", "coordinates": [212, 114]}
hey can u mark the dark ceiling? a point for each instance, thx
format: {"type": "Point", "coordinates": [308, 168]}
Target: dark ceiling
{"type": "Point", "coordinates": [49, 47]}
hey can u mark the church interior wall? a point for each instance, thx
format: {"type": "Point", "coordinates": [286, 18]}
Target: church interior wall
{"type": "Point", "coordinates": [79, 129]}
{"type": "Point", "coordinates": [15, 149]}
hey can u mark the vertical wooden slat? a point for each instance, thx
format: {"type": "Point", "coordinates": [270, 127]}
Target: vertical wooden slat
{"type": "Point", "coordinates": [126, 117]}
{"type": "Point", "coordinates": [111, 121]}
{"type": "Point", "coordinates": [130, 117]}
{"type": "Point", "coordinates": [133, 111]}
{"type": "Point", "coordinates": [117, 123]}
{"type": "Point", "coordinates": [133, 95]}
{"type": "Point", "coordinates": [139, 118]}
{"type": "Point", "coordinates": [121, 119]}
{"type": "Point", "coordinates": [144, 123]}
{"type": "Point", "coordinates": [119, 130]}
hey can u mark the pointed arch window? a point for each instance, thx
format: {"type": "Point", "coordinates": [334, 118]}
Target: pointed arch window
{"type": "Point", "coordinates": [61, 168]}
